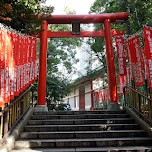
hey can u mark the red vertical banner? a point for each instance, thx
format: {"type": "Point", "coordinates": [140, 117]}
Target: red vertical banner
{"type": "Point", "coordinates": [1, 101]}
{"type": "Point", "coordinates": [30, 58]}
{"type": "Point", "coordinates": [122, 83]}
{"type": "Point", "coordinates": [130, 73]}
{"type": "Point", "coordinates": [15, 54]}
{"type": "Point", "coordinates": [18, 65]}
{"type": "Point", "coordinates": [24, 62]}
{"type": "Point", "coordinates": [96, 96]}
{"type": "Point", "coordinates": [1, 68]}
{"type": "Point", "coordinates": [144, 62]}
{"type": "Point", "coordinates": [147, 34]}
{"type": "Point", "coordinates": [11, 64]}
{"type": "Point", "coordinates": [17, 60]}
{"type": "Point", "coordinates": [135, 59]}
{"type": "Point", "coordinates": [6, 78]}
{"type": "Point", "coordinates": [128, 77]}
{"type": "Point", "coordinates": [35, 61]}
{"type": "Point", "coordinates": [120, 46]}
{"type": "Point", "coordinates": [121, 56]}
{"type": "Point", "coordinates": [33, 58]}
{"type": "Point", "coordinates": [139, 68]}
{"type": "Point", "coordinates": [21, 63]}
{"type": "Point", "coordinates": [131, 51]}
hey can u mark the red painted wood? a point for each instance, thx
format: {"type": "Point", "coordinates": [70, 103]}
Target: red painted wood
{"type": "Point", "coordinates": [92, 101]}
{"type": "Point", "coordinates": [89, 18]}
{"type": "Point", "coordinates": [81, 97]}
{"type": "Point", "coordinates": [110, 62]}
{"type": "Point", "coordinates": [67, 34]}
{"type": "Point", "coordinates": [52, 34]}
{"type": "Point", "coordinates": [42, 65]}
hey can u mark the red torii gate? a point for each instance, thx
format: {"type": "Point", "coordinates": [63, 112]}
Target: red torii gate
{"type": "Point", "coordinates": [107, 33]}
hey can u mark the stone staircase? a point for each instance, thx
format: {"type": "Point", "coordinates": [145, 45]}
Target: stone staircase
{"type": "Point", "coordinates": [82, 131]}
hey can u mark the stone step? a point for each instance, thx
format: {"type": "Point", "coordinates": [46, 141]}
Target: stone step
{"type": "Point", "coordinates": [83, 134]}
{"type": "Point", "coordinates": [93, 149]}
{"type": "Point", "coordinates": [87, 127]}
{"type": "Point", "coordinates": [80, 143]}
{"type": "Point", "coordinates": [80, 121]}
{"type": "Point", "coordinates": [79, 112]}
{"type": "Point", "coordinates": [82, 116]}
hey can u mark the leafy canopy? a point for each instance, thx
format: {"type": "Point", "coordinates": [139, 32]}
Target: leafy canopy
{"type": "Point", "coordinates": [140, 14]}
{"type": "Point", "coordinates": [22, 14]}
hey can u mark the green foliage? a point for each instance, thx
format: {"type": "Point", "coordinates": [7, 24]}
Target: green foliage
{"type": "Point", "coordinates": [60, 60]}
{"type": "Point", "coordinates": [57, 88]}
{"type": "Point", "coordinates": [61, 52]}
{"type": "Point", "coordinates": [140, 11]}
{"type": "Point", "coordinates": [24, 15]}
{"type": "Point", "coordinates": [140, 14]}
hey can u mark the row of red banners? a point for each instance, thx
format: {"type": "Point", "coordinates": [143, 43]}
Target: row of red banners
{"type": "Point", "coordinates": [101, 95]}
{"type": "Point", "coordinates": [18, 64]}
{"type": "Point", "coordinates": [139, 59]}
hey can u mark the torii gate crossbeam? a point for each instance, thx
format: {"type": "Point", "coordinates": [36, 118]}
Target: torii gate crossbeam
{"type": "Point", "coordinates": [106, 19]}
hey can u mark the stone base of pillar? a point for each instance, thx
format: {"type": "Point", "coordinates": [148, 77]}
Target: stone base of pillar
{"type": "Point", "coordinates": [114, 107]}
{"type": "Point", "coordinates": [41, 108]}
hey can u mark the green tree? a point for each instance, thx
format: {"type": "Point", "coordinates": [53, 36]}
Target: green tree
{"type": "Point", "coordinates": [22, 15]}
{"type": "Point", "coordinates": [60, 62]}
{"type": "Point", "coordinates": [140, 13]}
{"type": "Point", "coordinates": [60, 87]}
{"type": "Point", "coordinates": [62, 51]}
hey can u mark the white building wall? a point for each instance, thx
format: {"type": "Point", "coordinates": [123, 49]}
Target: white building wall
{"type": "Point", "coordinates": [87, 96]}
{"type": "Point", "coordinates": [87, 101]}
{"type": "Point", "coordinates": [77, 91]}
{"type": "Point", "coordinates": [77, 103]}
{"type": "Point", "coordinates": [76, 99]}
{"type": "Point", "coordinates": [73, 99]}
{"type": "Point", "coordinates": [71, 102]}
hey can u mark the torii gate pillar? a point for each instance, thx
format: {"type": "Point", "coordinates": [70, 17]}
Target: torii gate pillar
{"type": "Point", "coordinates": [41, 104]}
{"type": "Point", "coordinates": [110, 66]}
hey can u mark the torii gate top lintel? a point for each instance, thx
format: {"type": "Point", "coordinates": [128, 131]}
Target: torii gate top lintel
{"type": "Point", "coordinates": [85, 19]}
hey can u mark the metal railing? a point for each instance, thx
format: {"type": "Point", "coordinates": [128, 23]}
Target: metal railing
{"type": "Point", "coordinates": [140, 103]}
{"type": "Point", "coordinates": [12, 113]}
